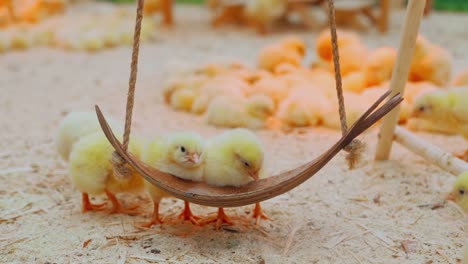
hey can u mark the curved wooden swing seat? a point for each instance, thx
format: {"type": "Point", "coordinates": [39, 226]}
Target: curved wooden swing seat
{"type": "Point", "coordinates": [204, 194]}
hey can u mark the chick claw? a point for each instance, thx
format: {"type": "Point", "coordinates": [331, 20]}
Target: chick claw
{"type": "Point", "coordinates": [187, 215]}
{"type": "Point", "coordinates": [155, 220]}
{"type": "Point", "coordinates": [220, 219]}
{"type": "Point", "coordinates": [117, 208]}
{"type": "Point", "coordinates": [258, 214]}
{"type": "Point", "coordinates": [88, 206]}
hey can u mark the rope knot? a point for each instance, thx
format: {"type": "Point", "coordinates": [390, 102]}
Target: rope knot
{"type": "Point", "coordinates": [355, 150]}
{"type": "Point", "coordinates": [120, 168]}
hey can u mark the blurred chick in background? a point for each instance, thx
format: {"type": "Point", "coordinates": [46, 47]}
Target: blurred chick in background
{"type": "Point", "coordinates": [459, 194]}
{"type": "Point", "coordinates": [430, 63]}
{"type": "Point", "coordinates": [303, 107]}
{"type": "Point", "coordinates": [379, 65]}
{"type": "Point", "coordinates": [351, 50]}
{"type": "Point", "coordinates": [252, 112]}
{"type": "Point", "coordinates": [76, 125]}
{"type": "Point", "coordinates": [234, 158]}
{"type": "Point", "coordinates": [262, 13]}
{"type": "Point", "coordinates": [220, 85]}
{"type": "Point", "coordinates": [91, 172]}
{"type": "Point", "coordinates": [461, 79]}
{"type": "Point", "coordinates": [413, 91]}
{"type": "Point", "coordinates": [289, 50]}
{"type": "Point", "coordinates": [268, 84]}
{"type": "Point", "coordinates": [444, 111]}
{"type": "Point", "coordinates": [180, 154]}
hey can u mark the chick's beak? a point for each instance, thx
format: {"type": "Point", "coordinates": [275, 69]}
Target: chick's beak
{"type": "Point", "coordinates": [194, 158]}
{"type": "Point", "coordinates": [255, 176]}
{"type": "Point", "coordinates": [450, 197]}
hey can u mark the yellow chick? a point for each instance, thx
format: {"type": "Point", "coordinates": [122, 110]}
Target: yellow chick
{"type": "Point", "coordinates": [91, 172]}
{"type": "Point", "coordinates": [76, 125]}
{"type": "Point", "coordinates": [413, 91]}
{"type": "Point", "coordinates": [379, 65]}
{"type": "Point", "coordinates": [290, 50]}
{"type": "Point", "coordinates": [190, 82]}
{"type": "Point", "coordinates": [221, 85]}
{"type": "Point", "coordinates": [276, 88]}
{"type": "Point", "coordinates": [324, 44]}
{"type": "Point", "coordinates": [356, 105]}
{"type": "Point", "coordinates": [5, 17]}
{"type": "Point", "coordinates": [303, 107]}
{"type": "Point", "coordinates": [354, 82]}
{"type": "Point", "coordinates": [251, 112]}
{"type": "Point", "coordinates": [234, 158]}
{"type": "Point", "coordinates": [444, 110]}
{"type": "Point", "coordinates": [459, 193]}
{"type": "Point", "coordinates": [461, 79]}
{"type": "Point", "coordinates": [351, 50]}
{"type": "Point", "coordinates": [435, 67]}
{"type": "Point", "coordinates": [181, 155]}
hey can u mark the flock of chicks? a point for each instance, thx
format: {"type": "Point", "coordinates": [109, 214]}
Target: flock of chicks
{"type": "Point", "coordinates": [282, 92]}
{"type": "Point", "coordinates": [233, 158]}
{"type": "Point", "coordinates": [92, 31]}
{"type": "Point", "coordinates": [28, 11]}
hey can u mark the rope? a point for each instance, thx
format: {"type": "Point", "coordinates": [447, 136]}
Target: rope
{"type": "Point", "coordinates": [356, 147]}
{"type": "Point", "coordinates": [120, 168]}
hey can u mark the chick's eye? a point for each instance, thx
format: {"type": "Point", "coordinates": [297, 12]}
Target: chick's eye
{"type": "Point", "coordinates": [246, 164]}
{"type": "Point", "coordinates": [421, 109]}
{"type": "Point", "coordinates": [182, 149]}
{"type": "Point", "coordinates": [461, 191]}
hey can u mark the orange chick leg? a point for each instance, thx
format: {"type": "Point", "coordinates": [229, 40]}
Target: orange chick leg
{"type": "Point", "coordinates": [88, 206]}
{"type": "Point", "coordinates": [117, 208]}
{"type": "Point", "coordinates": [258, 213]}
{"type": "Point", "coordinates": [188, 215]}
{"type": "Point", "coordinates": [155, 220]}
{"type": "Point", "coordinates": [220, 219]}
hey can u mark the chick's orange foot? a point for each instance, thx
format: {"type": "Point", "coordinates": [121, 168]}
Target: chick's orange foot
{"type": "Point", "coordinates": [220, 219]}
{"type": "Point", "coordinates": [88, 206]}
{"type": "Point", "coordinates": [187, 215]}
{"type": "Point", "coordinates": [155, 220]}
{"type": "Point", "coordinates": [117, 207]}
{"type": "Point", "coordinates": [259, 214]}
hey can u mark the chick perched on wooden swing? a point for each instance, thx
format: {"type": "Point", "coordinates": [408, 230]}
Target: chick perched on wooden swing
{"type": "Point", "coordinates": [234, 158]}
{"type": "Point", "coordinates": [180, 154]}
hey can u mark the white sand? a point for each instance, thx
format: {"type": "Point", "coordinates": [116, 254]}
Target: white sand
{"type": "Point", "coordinates": [334, 214]}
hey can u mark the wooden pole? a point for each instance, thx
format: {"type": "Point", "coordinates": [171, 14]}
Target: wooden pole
{"type": "Point", "coordinates": [400, 73]}
{"type": "Point", "coordinates": [384, 15]}
{"type": "Point", "coordinates": [430, 152]}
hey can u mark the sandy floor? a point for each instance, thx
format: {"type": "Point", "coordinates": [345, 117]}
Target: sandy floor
{"type": "Point", "coordinates": [332, 218]}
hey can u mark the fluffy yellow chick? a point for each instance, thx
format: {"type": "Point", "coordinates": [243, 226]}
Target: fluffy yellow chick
{"type": "Point", "coordinates": [276, 88]}
{"type": "Point", "coordinates": [379, 65]}
{"type": "Point", "coordinates": [351, 50]}
{"type": "Point", "coordinates": [356, 105]}
{"type": "Point", "coordinates": [459, 193]}
{"type": "Point", "coordinates": [461, 79]}
{"type": "Point", "coordinates": [355, 82]}
{"type": "Point", "coordinates": [413, 91]}
{"type": "Point", "coordinates": [181, 155]}
{"type": "Point", "coordinates": [76, 125]}
{"type": "Point", "coordinates": [91, 171]}
{"type": "Point", "coordinates": [435, 67]}
{"type": "Point", "coordinates": [251, 112]}
{"type": "Point", "coordinates": [303, 107]}
{"type": "Point", "coordinates": [445, 110]}
{"type": "Point", "coordinates": [221, 85]}
{"type": "Point", "coordinates": [290, 50]}
{"type": "Point", "coordinates": [324, 45]}
{"type": "Point", "coordinates": [192, 83]}
{"type": "Point", "coordinates": [234, 158]}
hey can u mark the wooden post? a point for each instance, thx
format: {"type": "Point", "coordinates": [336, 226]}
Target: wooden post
{"type": "Point", "coordinates": [430, 152]}
{"type": "Point", "coordinates": [414, 14]}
